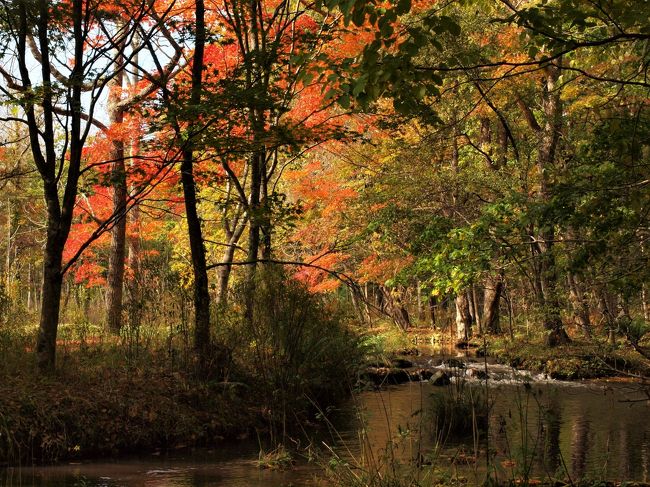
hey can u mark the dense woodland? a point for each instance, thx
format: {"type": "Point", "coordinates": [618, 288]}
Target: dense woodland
{"type": "Point", "coordinates": [191, 178]}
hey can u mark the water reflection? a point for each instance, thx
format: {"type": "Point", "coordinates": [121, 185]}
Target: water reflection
{"type": "Point", "coordinates": [535, 431]}
{"type": "Point", "coordinates": [543, 431]}
{"type": "Point", "coordinates": [579, 445]}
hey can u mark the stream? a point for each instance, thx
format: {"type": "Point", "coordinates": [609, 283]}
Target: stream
{"type": "Point", "coordinates": [537, 427]}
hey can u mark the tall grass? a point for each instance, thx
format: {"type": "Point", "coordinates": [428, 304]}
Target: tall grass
{"type": "Point", "coordinates": [297, 344]}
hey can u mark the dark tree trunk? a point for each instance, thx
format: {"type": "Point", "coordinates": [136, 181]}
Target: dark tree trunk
{"type": "Point", "coordinates": [51, 298]}
{"type": "Point", "coordinates": [197, 248]}
{"type": "Point", "coordinates": [546, 278]}
{"type": "Point", "coordinates": [266, 226]}
{"type": "Point", "coordinates": [254, 211]}
{"type": "Point", "coordinates": [44, 152]}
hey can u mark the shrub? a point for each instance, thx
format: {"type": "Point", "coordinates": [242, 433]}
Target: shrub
{"type": "Point", "coordinates": [297, 343]}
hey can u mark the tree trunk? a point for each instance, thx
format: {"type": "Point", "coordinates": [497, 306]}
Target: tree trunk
{"type": "Point", "coordinates": [463, 317]}
{"type": "Point", "coordinates": [418, 292]}
{"type": "Point", "coordinates": [44, 151]}
{"type": "Point", "coordinates": [556, 334]}
{"type": "Point", "coordinates": [476, 310]}
{"type": "Point", "coordinates": [8, 253]}
{"type": "Point", "coordinates": [395, 308]}
{"type": "Point", "coordinates": [135, 309]}
{"type": "Point", "coordinates": [549, 140]}
{"type": "Point", "coordinates": [432, 311]}
{"type": "Point", "coordinates": [254, 210]}
{"type": "Point", "coordinates": [224, 271]}
{"type": "Point", "coordinates": [197, 248]}
{"type": "Point", "coordinates": [492, 299]}
{"type": "Point", "coordinates": [51, 299]}
{"type": "Point", "coordinates": [117, 256]}
{"type": "Point", "coordinates": [233, 229]}
{"type": "Point", "coordinates": [266, 225]}
{"type": "Point", "coordinates": [579, 304]}
{"type": "Point", "coordinates": [358, 303]}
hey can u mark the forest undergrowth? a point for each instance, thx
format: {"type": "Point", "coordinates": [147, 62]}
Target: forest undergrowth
{"type": "Point", "coordinates": [142, 390]}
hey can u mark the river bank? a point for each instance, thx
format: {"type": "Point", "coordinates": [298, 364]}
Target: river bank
{"type": "Point", "coordinates": [399, 359]}
{"type": "Point", "coordinates": [56, 418]}
{"type": "Point", "coordinates": [94, 409]}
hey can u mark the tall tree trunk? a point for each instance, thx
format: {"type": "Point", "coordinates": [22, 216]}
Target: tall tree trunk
{"type": "Point", "coordinates": [117, 256]}
{"type": "Point", "coordinates": [492, 299]}
{"type": "Point", "coordinates": [197, 247]}
{"type": "Point", "coordinates": [135, 309]}
{"type": "Point", "coordinates": [549, 141]}
{"type": "Point", "coordinates": [463, 317]}
{"type": "Point", "coordinates": [545, 279]}
{"type": "Point", "coordinates": [44, 151]}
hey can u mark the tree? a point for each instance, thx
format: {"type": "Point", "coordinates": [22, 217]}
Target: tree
{"type": "Point", "coordinates": [58, 118]}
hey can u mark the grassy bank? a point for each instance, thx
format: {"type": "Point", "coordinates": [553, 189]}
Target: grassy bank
{"type": "Point", "coordinates": [140, 391]}
{"type": "Point", "coordinates": [576, 361]}
{"type": "Point", "coordinates": [116, 411]}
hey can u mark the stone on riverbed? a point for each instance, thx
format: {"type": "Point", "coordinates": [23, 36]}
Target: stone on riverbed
{"type": "Point", "coordinates": [386, 376]}
{"type": "Point", "coordinates": [455, 363]}
{"type": "Point", "coordinates": [439, 378]}
{"type": "Point", "coordinates": [477, 374]}
{"type": "Point", "coordinates": [402, 363]}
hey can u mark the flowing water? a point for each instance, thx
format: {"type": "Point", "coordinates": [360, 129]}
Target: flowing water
{"type": "Point", "coordinates": [537, 427]}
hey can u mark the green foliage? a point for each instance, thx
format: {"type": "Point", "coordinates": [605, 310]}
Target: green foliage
{"type": "Point", "coordinates": [635, 329]}
{"type": "Point", "coordinates": [379, 344]}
